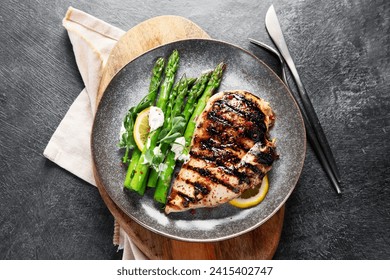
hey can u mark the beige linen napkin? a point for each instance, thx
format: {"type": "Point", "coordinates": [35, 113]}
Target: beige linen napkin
{"type": "Point", "coordinates": [69, 147]}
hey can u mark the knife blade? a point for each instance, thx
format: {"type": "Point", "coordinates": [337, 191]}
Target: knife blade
{"type": "Point", "coordinates": [274, 30]}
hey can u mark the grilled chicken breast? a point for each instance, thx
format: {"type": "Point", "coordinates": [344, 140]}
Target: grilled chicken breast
{"type": "Point", "coordinates": [230, 152]}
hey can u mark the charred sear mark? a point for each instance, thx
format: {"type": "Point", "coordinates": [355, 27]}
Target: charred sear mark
{"type": "Point", "coordinates": [217, 156]}
{"type": "Point", "coordinates": [266, 157]}
{"type": "Point", "coordinates": [200, 188]}
{"type": "Point", "coordinates": [186, 199]}
{"type": "Point", "coordinates": [207, 144]}
{"type": "Point", "coordinates": [255, 134]}
{"type": "Point", "coordinates": [232, 134]}
{"type": "Point", "coordinates": [249, 118]}
{"type": "Point", "coordinates": [215, 116]}
{"type": "Point", "coordinates": [211, 144]}
{"type": "Point", "coordinates": [247, 109]}
{"type": "Point", "coordinates": [252, 167]}
{"type": "Point", "coordinates": [208, 175]}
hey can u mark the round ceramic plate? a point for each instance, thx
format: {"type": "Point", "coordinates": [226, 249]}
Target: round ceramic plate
{"type": "Point", "coordinates": [244, 71]}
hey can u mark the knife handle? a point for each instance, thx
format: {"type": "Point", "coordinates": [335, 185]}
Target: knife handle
{"type": "Point", "coordinates": [313, 120]}
{"type": "Point", "coordinates": [323, 159]}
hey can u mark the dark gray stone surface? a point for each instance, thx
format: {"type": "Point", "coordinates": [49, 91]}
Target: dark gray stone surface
{"type": "Point", "coordinates": [342, 51]}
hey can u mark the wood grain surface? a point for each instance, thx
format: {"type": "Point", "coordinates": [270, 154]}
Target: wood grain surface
{"type": "Point", "coordinates": [261, 243]}
{"type": "Point", "coordinates": [146, 36]}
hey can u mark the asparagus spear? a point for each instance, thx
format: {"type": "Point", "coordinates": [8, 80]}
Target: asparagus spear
{"type": "Point", "coordinates": [164, 182]}
{"type": "Point", "coordinates": [193, 95]}
{"type": "Point", "coordinates": [177, 110]}
{"type": "Point", "coordinates": [212, 85]}
{"type": "Point", "coordinates": [133, 163]}
{"type": "Point", "coordinates": [176, 102]}
{"type": "Point", "coordinates": [172, 104]}
{"type": "Point", "coordinates": [127, 139]}
{"type": "Point", "coordinates": [172, 97]}
{"type": "Point", "coordinates": [141, 171]}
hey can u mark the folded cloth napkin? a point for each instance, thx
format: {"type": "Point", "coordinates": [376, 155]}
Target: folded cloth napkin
{"type": "Point", "coordinates": [69, 147]}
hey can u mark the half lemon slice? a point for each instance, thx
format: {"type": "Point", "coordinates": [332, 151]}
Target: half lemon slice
{"type": "Point", "coordinates": [252, 197]}
{"type": "Point", "coordinates": [141, 128]}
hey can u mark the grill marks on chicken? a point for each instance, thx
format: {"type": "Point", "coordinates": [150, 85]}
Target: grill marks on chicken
{"type": "Point", "coordinates": [230, 152]}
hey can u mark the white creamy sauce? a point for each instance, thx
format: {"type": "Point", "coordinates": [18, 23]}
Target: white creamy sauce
{"type": "Point", "coordinates": [162, 167]}
{"type": "Point", "coordinates": [123, 130]}
{"type": "Point", "coordinates": [184, 157]}
{"type": "Point", "coordinates": [156, 118]}
{"type": "Point", "coordinates": [157, 151]}
{"type": "Point", "coordinates": [148, 143]}
{"type": "Point", "coordinates": [178, 147]}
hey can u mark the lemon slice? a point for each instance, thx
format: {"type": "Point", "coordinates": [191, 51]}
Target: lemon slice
{"type": "Point", "coordinates": [251, 197]}
{"type": "Point", "coordinates": [141, 128]}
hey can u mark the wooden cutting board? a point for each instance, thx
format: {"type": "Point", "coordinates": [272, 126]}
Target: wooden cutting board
{"type": "Point", "coordinates": [260, 243]}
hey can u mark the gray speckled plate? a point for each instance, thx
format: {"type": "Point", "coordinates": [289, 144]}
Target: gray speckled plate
{"type": "Point", "coordinates": [244, 71]}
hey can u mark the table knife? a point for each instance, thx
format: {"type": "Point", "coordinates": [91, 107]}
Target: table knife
{"type": "Point", "coordinates": [275, 32]}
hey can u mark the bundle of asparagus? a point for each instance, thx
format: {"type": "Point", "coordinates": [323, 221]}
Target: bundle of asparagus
{"type": "Point", "coordinates": [180, 103]}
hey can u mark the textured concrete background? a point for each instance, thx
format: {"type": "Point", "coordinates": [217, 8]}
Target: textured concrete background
{"type": "Point", "coordinates": [342, 51]}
